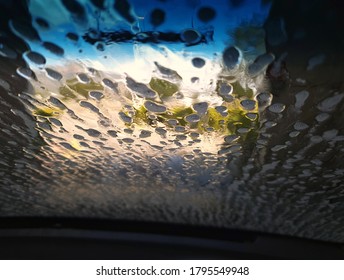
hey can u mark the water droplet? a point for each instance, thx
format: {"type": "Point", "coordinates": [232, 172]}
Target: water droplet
{"type": "Point", "coordinates": [294, 134]}
{"type": "Point", "coordinates": [330, 134]}
{"type": "Point", "coordinates": [76, 9]}
{"type": "Point", "coordinates": [181, 137]}
{"type": "Point", "coordinates": [84, 144]}
{"type": "Point", "coordinates": [82, 77]}
{"type": "Point", "coordinates": [264, 99]}
{"type": "Point", "coordinates": [53, 74]}
{"type": "Point", "coordinates": [193, 118]}
{"type": "Point", "coordinates": [191, 37]}
{"type": "Point", "coordinates": [179, 128]}
{"type": "Point", "coordinates": [53, 48]}
{"type": "Point", "coordinates": [262, 142]}
{"type": "Point", "coordinates": [270, 124]}
{"type": "Point", "coordinates": [225, 90]}
{"type": "Point", "coordinates": [55, 121]}
{"type": "Point", "coordinates": [26, 73]}
{"type": "Point", "coordinates": [36, 58]}
{"type": "Point", "coordinates": [145, 134]}
{"type": "Point", "coordinates": [198, 62]}
{"type": "Point", "coordinates": [248, 104]}
{"type": "Point", "coordinates": [157, 17]}
{"type": "Point", "coordinates": [140, 89]}
{"type": "Point", "coordinates": [315, 61]}
{"type": "Point", "coordinates": [201, 108]}
{"type": "Point", "coordinates": [322, 117]}
{"type": "Point", "coordinates": [67, 146]}
{"type": "Point", "coordinates": [172, 122]}
{"type": "Point", "coordinates": [42, 23]}
{"type": "Point", "coordinates": [194, 79]}
{"type": "Point", "coordinates": [160, 131]}
{"type": "Point", "coordinates": [112, 133]}
{"type": "Point", "coordinates": [189, 156]}
{"type": "Point", "coordinates": [124, 9]}
{"type": "Point", "coordinates": [277, 108]}
{"type": "Point", "coordinates": [78, 137]}
{"type": "Point", "coordinates": [301, 81]}
{"type": "Point", "coordinates": [251, 116]}
{"type": "Point", "coordinates": [221, 109]}
{"type": "Point", "coordinates": [154, 107]}
{"type": "Point", "coordinates": [194, 135]}
{"type": "Point", "coordinates": [301, 97]}
{"type": "Point", "coordinates": [316, 139]}
{"type": "Point", "coordinates": [231, 138]}
{"type": "Point", "coordinates": [128, 140]}
{"type": "Point", "coordinates": [100, 46]}
{"type": "Point", "coordinates": [231, 149]}
{"type": "Point", "coordinates": [242, 130]}
{"type": "Point", "coordinates": [96, 95]}
{"type": "Point", "coordinates": [260, 64]}
{"type": "Point", "coordinates": [231, 57]}
{"type": "Point", "coordinates": [92, 132]}
{"type": "Point", "coordinates": [72, 36]}
{"type": "Point", "coordinates": [206, 14]}
{"type": "Point", "coordinates": [330, 103]}
{"type": "Point", "coordinates": [89, 106]}
{"type": "Point", "coordinates": [167, 72]}
{"type": "Point", "coordinates": [110, 84]}
{"type": "Point", "coordinates": [278, 148]}
{"type": "Point", "coordinates": [98, 143]}
{"type": "Point", "coordinates": [300, 126]}
{"type": "Point", "coordinates": [103, 121]}
{"type": "Point", "coordinates": [57, 102]}
{"type": "Point", "coordinates": [125, 118]}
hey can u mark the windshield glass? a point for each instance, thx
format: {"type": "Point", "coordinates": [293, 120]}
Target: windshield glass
{"type": "Point", "coordinates": [219, 113]}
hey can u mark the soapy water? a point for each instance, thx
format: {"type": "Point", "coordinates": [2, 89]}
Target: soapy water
{"type": "Point", "coordinates": [159, 83]}
{"type": "Point", "coordinates": [130, 111]}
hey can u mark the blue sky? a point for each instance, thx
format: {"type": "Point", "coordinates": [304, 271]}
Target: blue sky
{"type": "Point", "coordinates": [180, 15]}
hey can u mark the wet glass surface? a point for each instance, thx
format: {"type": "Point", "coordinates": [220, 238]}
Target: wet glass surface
{"type": "Point", "coordinates": [219, 113]}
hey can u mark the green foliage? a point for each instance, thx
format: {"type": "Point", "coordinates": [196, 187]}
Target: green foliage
{"type": "Point", "coordinates": [141, 117]}
{"type": "Point", "coordinates": [67, 92]}
{"type": "Point", "coordinates": [80, 88]}
{"type": "Point", "coordinates": [163, 88]}
{"type": "Point", "coordinates": [46, 112]}
{"type": "Point", "coordinates": [239, 91]}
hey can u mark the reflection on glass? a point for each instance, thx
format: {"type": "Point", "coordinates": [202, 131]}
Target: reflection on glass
{"type": "Point", "coordinates": [201, 112]}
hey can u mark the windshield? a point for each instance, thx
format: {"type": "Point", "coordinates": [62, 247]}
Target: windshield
{"type": "Point", "coordinates": [219, 113]}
